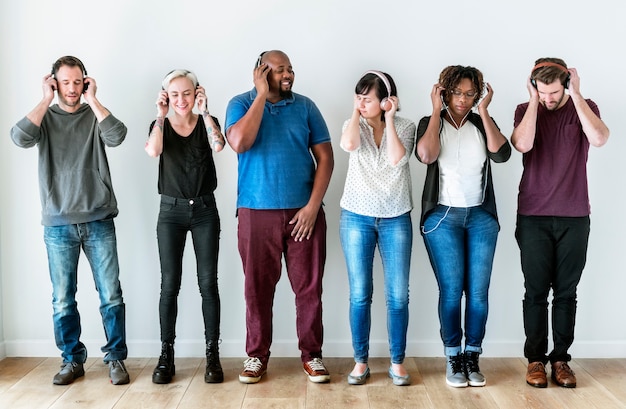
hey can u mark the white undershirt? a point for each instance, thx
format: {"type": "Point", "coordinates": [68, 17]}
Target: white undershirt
{"type": "Point", "coordinates": [461, 161]}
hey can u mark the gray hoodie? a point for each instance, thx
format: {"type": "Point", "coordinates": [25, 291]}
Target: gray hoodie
{"type": "Point", "coordinates": [74, 178]}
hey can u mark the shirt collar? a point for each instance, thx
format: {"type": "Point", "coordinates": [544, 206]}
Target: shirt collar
{"type": "Point", "coordinates": [252, 95]}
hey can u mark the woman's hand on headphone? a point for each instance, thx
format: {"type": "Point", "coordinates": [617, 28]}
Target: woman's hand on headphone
{"type": "Point", "coordinates": [436, 96]}
{"type": "Point", "coordinates": [162, 103]}
{"type": "Point", "coordinates": [486, 100]}
{"type": "Point", "coordinates": [395, 103]}
{"type": "Point", "coordinates": [201, 100]}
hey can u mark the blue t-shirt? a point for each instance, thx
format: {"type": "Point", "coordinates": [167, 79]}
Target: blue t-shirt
{"type": "Point", "coordinates": [277, 172]}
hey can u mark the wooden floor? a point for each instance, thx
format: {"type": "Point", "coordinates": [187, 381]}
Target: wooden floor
{"type": "Point", "coordinates": [27, 383]}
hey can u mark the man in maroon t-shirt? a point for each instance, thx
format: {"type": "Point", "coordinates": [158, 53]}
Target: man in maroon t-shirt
{"type": "Point", "coordinates": [553, 130]}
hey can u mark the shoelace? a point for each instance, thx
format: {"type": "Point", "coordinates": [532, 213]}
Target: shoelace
{"type": "Point", "coordinates": [538, 368]}
{"type": "Point", "coordinates": [471, 363]}
{"type": "Point", "coordinates": [69, 366]}
{"type": "Point", "coordinates": [118, 364]}
{"type": "Point", "coordinates": [316, 364]}
{"type": "Point", "coordinates": [456, 362]}
{"type": "Point", "coordinates": [253, 364]}
{"type": "Point", "coordinates": [564, 368]}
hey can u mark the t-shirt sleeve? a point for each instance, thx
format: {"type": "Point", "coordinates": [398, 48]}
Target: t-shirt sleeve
{"type": "Point", "coordinates": [519, 114]}
{"type": "Point", "coordinates": [317, 125]}
{"type": "Point", "coordinates": [235, 110]}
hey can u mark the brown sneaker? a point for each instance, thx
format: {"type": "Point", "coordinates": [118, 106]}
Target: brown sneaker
{"type": "Point", "coordinates": [253, 370]}
{"type": "Point", "coordinates": [563, 375]}
{"type": "Point", "coordinates": [316, 371]}
{"type": "Point", "coordinates": [536, 375]}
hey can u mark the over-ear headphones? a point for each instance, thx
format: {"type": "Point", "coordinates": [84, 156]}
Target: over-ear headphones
{"type": "Point", "coordinates": [72, 62]}
{"type": "Point", "coordinates": [550, 64]}
{"type": "Point", "coordinates": [178, 73]}
{"type": "Point", "coordinates": [385, 103]}
{"type": "Point", "coordinates": [258, 60]}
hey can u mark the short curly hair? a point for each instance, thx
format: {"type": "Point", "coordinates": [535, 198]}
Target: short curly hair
{"type": "Point", "coordinates": [452, 75]}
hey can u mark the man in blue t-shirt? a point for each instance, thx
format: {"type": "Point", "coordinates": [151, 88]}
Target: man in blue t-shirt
{"type": "Point", "coordinates": [285, 161]}
{"type": "Point", "coordinates": [553, 131]}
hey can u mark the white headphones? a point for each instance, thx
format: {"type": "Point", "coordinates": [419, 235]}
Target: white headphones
{"type": "Point", "coordinates": [385, 103]}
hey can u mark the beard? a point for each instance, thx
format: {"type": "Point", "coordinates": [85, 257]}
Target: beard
{"type": "Point", "coordinates": [556, 105]}
{"type": "Point", "coordinates": [285, 93]}
{"type": "Point", "coordinates": [65, 102]}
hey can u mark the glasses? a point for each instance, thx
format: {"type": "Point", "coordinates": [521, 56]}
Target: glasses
{"type": "Point", "coordinates": [457, 93]}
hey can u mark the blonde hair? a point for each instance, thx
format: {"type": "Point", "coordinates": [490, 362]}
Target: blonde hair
{"type": "Point", "coordinates": [172, 75]}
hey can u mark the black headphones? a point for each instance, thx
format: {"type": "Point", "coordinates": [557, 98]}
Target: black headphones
{"type": "Point", "coordinates": [184, 73]}
{"type": "Point", "coordinates": [549, 64]}
{"type": "Point", "coordinates": [258, 60]}
{"type": "Point", "coordinates": [71, 61]}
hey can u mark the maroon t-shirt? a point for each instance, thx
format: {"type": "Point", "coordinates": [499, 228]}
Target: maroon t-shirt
{"type": "Point", "coordinates": [554, 181]}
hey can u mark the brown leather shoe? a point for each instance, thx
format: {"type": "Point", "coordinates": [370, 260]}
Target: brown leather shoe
{"type": "Point", "coordinates": [563, 375]}
{"type": "Point", "coordinates": [536, 375]}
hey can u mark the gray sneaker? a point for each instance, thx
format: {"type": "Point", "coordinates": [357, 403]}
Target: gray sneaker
{"type": "Point", "coordinates": [474, 377]}
{"type": "Point", "coordinates": [118, 373]}
{"type": "Point", "coordinates": [455, 372]}
{"type": "Point", "coordinates": [68, 373]}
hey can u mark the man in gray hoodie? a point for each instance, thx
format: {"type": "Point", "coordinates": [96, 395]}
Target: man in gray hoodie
{"type": "Point", "coordinates": [78, 207]}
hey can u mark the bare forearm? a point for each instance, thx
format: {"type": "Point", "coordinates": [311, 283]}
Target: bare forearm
{"type": "Point", "coordinates": [594, 128]}
{"type": "Point", "coordinates": [154, 145]}
{"type": "Point", "coordinates": [523, 137]}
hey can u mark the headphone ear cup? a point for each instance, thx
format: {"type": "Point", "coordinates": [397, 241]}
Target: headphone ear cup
{"type": "Point", "coordinates": [566, 85]}
{"type": "Point", "coordinates": [386, 104]}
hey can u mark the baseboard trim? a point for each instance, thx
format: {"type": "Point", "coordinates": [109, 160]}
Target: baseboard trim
{"type": "Point", "coordinates": [288, 348]}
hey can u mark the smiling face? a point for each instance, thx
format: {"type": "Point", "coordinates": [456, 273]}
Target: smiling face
{"type": "Point", "coordinates": [70, 84]}
{"type": "Point", "coordinates": [281, 76]}
{"type": "Point", "coordinates": [182, 95]}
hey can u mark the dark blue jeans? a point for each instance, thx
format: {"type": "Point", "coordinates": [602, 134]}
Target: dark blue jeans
{"type": "Point", "coordinates": [461, 244]}
{"type": "Point", "coordinates": [553, 255]}
{"type": "Point", "coordinates": [99, 243]}
{"type": "Point", "coordinates": [177, 217]}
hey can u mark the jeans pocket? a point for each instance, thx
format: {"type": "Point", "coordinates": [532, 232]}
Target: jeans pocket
{"type": "Point", "coordinates": [434, 219]}
{"type": "Point", "coordinates": [166, 207]}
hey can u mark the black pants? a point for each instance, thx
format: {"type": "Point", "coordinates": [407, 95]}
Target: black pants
{"type": "Point", "coordinates": [553, 255]}
{"type": "Point", "coordinates": [177, 217]}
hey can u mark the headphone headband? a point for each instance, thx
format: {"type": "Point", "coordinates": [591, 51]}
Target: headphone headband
{"type": "Point", "coordinates": [549, 64]}
{"type": "Point", "coordinates": [68, 60]}
{"type": "Point", "coordinates": [384, 79]}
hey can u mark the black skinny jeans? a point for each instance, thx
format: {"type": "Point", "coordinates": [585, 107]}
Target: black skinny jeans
{"type": "Point", "coordinates": [177, 217]}
{"type": "Point", "coordinates": [553, 254]}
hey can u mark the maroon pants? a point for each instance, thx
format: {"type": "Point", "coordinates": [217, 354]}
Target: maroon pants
{"type": "Point", "coordinates": [264, 237]}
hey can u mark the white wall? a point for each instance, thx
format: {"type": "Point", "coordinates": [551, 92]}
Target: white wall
{"type": "Point", "coordinates": [129, 46]}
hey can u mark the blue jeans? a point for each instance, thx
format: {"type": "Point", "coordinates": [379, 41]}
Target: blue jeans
{"type": "Point", "coordinates": [359, 236]}
{"type": "Point", "coordinates": [98, 241]}
{"type": "Point", "coordinates": [553, 254]}
{"type": "Point", "coordinates": [177, 217]}
{"type": "Point", "coordinates": [461, 243]}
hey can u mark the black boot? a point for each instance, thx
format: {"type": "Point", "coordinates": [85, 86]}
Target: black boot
{"type": "Point", "coordinates": [213, 373]}
{"type": "Point", "coordinates": [165, 369]}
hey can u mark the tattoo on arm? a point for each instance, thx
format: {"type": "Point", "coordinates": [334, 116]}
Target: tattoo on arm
{"type": "Point", "coordinates": [159, 122]}
{"type": "Point", "coordinates": [215, 137]}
